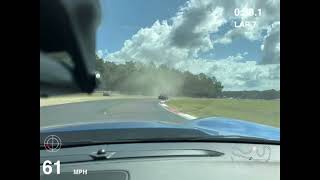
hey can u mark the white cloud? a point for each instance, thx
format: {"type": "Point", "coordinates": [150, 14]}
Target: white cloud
{"type": "Point", "coordinates": [271, 45]}
{"type": "Point", "coordinates": [194, 23]}
{"type": "Point", "coordinates": [99, 53]}
{"type": "Point", "coordinates": [252, 34]}
{"type": "Point", "coordinates": [270, 13]}
{"type": "Point", "coordinates": [235, 73]}
{"type": "Point", "coordinates": [102, 53]}
{"type": "Point", "coordinates": [178, 44]}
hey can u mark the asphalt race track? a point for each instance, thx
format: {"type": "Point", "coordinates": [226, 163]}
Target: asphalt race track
{"type": "Point", "coordinates": [107, 110]}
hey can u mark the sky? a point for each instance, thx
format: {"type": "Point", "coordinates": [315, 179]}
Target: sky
{"type": "Point", "coordinates": [198, 36]}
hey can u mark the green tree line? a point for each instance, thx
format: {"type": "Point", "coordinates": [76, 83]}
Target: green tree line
{"type": "Point", "coordinates": [266, 94]}
{"type": "Point", "coordinates": [150, 79]}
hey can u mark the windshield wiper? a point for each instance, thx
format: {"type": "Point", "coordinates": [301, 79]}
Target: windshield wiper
{"type": "Point", "coordinates": [216, 138]}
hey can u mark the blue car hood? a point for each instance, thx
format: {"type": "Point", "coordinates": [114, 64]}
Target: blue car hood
{"type": "Point", "coordinates": [236, 127]}
{"type": "Point", "coordinates": [211, 126]}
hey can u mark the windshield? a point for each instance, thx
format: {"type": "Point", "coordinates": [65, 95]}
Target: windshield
{"type": "Point", "coordinates": [209, 67]}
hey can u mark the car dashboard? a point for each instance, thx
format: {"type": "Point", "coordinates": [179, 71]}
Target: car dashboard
{"type": "Point", "coordinates": [158, 161]}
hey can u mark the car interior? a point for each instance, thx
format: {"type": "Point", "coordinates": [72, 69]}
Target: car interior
{"type": "Point", "coordinates": [71, 34]}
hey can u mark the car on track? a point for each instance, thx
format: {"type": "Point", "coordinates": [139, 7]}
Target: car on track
{"type": "Point", "coordinates": [163, 97]}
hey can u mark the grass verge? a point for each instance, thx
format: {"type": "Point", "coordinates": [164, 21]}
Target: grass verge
{"type": "Point", "coordinates": [260, 111]}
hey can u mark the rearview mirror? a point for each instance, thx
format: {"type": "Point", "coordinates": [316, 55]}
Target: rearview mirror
{"type": "Point", "coordinates": [68, 27]}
